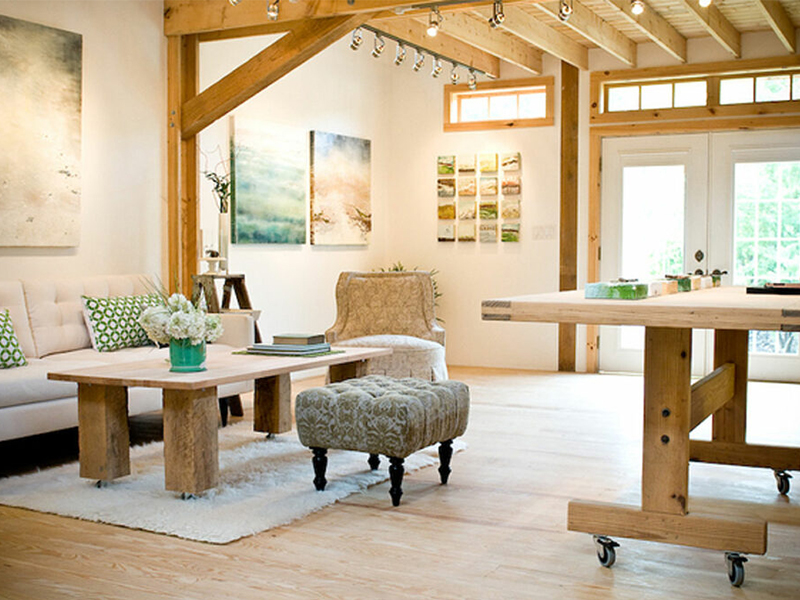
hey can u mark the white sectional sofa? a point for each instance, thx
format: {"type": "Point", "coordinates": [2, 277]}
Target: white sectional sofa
{"type": "Point", "coordinates": [48, 321]}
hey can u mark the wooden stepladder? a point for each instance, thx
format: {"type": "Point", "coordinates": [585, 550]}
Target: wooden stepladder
{"type": "Point", "coordinates": [205, 284]}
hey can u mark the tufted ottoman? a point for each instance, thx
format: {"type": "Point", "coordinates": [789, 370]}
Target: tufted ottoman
{"type": "Point", "coordinates": [382, 415]}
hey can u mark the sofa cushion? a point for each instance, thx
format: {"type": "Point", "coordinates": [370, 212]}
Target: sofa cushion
{"type": "Point", "coordinates": [10, 353]}
{"type": "Point", "coordinates": [113, 323]}
{"type": "Point", "coordinates": [55, 308]}
{"type": "Point", "coordinates": [12, 298]}
{"type": "Point", "coordinates": [30, 385]}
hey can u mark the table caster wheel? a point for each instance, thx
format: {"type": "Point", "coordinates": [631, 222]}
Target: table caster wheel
{"type": "Point", "coordinates": [735, 562]}
{"type": "Point", "coordinates": [100, 484]}
{"type": "Point", "coordinates": [782, 479]}
{"type": "Point", "coordinates": [605, 550]}
{"type": "Point", "coordinates": [188, 496]}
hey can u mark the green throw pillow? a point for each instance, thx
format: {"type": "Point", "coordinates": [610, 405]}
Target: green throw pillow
{"type": "Point", "coordinates": [114, 322]}
{"type": "Point", "coordinates": [10, 353]}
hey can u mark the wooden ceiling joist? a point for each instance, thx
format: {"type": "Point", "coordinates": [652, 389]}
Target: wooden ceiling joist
{"type": "Point", "coordinates": [655, 27]}
{"type": "Point", "coordinates": [541, 35]}
{"type": "Point", "coordinates": [717, 26]}
{"type": "Point", "coordinates": [780, 22]}
{"type": "Point", "coordinates": [293, 49]}
{"type": "Point", "coordinates": [442, 45]}
{"type": "Point", "coordinates": [476, 32]}
{"type": "Point", "coordinates": [596, 30]}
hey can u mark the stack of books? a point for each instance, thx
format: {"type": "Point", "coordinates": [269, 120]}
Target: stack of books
{"type": "Point", "coordinates": [293, 344]}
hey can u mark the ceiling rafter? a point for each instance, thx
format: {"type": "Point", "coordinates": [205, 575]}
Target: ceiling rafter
{"type": "Point", "coordinates": [541, 35]}
{"type": "Point", "coordinates": [780, 22]}
{"type": "Point", "coordinates": [442, 45]}
{"type": "Point", "coordinates": [717, 25]}
{"type": "Point", "coordinates": [476, 32]}
{"type": "Point", "coordinates": [655, 27]}
{"type": "Point", "coordinates": [596, 30]}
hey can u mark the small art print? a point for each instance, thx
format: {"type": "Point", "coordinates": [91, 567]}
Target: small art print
{"type": "Point", "coordinates": [511, 184]}
{"type": "Point", "coordinates": [466, 232]}
{"type": "Point", "coordinates": [467, 186]}
{"type": "Point", "coordinates": [510, 208]}
{"type": "Point", "coordinates": [509, 232]}
{"type": "Point", "coordinates": [488, 186]}
{"type": "Point", "coordinates": [446, 165]}
{"type": "Point", "coordinates": [510, 162]}
{"type": "Point", "coordinates": [446, 188]}
{"type": "Point", "coordinates": [488, 163]}
{"type": "Point", "coordinates": [488, 232]}
{"type": "Point", "coordinates": [447, 209]}
{"type": "Point", "coordinates": [341, 205]}
{"type": "Point", "coordinates": [447, 232]}
{"type": "Point", "coordinates": [466, 163]}
{"type": "Point", "coordinates": [488, 209]}
{"type": "Point", "coordinates": [467, 210]}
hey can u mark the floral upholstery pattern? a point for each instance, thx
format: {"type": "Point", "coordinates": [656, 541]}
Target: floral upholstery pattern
{"type": "Point", "coordinates": [382, 415]}
{"type": "Point", "coordinates": [398, 308]}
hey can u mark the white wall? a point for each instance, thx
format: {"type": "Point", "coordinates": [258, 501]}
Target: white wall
{"type": "Point", "coordinates": [123, 141]}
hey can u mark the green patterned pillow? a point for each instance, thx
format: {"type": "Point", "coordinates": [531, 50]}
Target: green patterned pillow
{"type": "Point", "coordinates": [113, 323]}
{"type": "Point", "coordinates": [10, 353]}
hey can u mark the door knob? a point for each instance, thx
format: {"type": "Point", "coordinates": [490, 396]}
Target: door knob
{"type": "Point", "coordinates": [698, 256]}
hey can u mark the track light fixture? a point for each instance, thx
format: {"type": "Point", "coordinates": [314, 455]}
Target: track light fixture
{"type": "Point", "coordinates": [378, 46]}
{"type": "Point", "coordinates": [565, 8]}
{"type": "Point", "coordinates": [637, 7]}
{"type": "Point", "coordinates": [472, 81]}
{"type": "Point", "coordinates": [234, 2]}
{"type": "Point", "coordinates": [399, 54]}
{"type": "Point", "coordinates": [498, 16]}
{"type": "Point", "coordinates": [704, 3]}
{"type": "Point", "coordinates": [434, 21]}
{"type": "Point", "coordinates": [273, 9]}
{"type": "Point", "coordinates": [453, 75]}
{"type": "Point", "coordinates": [358, 39]}
{"type": "Point", "coordinates": [419, 60]}
{"type": "Point", "coordinates": [437, 67]}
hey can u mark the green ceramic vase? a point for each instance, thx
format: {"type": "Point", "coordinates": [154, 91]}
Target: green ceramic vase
{"type": "Point", "coordinates": [186, 357]}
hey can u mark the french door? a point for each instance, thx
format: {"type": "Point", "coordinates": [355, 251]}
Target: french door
{"type": "Point", "coordinates": [727, 201]}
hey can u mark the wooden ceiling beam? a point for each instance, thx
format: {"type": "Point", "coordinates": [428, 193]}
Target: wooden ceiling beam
{"type": "Point", "coordinates": [717, 25]}
{"type": "Point", "coordinates": [476, 32]}
{"type": "Point", "coordinates": [442, 45]}
{"type": "Point", "coordinates": [585, 22]}
{"type": "Point", "coordinates": [293, 49]}
{"type": "Point", "coordinates": [541, 35]}
{"type": "Point", "coordinates": [780, 22]}
{"type": "Point", "coordinates": [655, 27]}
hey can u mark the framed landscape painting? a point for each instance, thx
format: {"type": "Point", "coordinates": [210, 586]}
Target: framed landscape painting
{"type": "Point", "coordinates": [341, 204]}
{"type": "Point", "coordinates": [268, 166]}
{"type": "Point", "coordinates": [40, 104]}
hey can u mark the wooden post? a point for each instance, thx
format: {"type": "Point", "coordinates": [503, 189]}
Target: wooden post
{"type": "Point", "coordinates": [190, 201]}
{"type": "Point", "coordinates": [729, 423]}
{"type": "Point", "coordinates": [568, 231]}
{"type": "Point", "coordinates": [350, 370]}
{"type": "Point", "coordinates": [103, 437]}
{"type": "Point", "coordinates": [272, 404]}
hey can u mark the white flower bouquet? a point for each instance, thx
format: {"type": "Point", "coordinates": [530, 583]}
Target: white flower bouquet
{"type": "Point", "coordinates": [179, 319]}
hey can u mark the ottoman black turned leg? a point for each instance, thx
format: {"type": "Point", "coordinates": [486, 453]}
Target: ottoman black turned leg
{"type": "Point", "coordinates": [374, 461]}
{"type": "Point", "coordinates": [445, 454]}
{"type": "Point", "coordinates": [320, 462]}
{"type": "Point", "coordinates": [396, 475]}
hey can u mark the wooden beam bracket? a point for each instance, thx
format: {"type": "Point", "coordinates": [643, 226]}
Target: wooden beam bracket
{"type": "Point", "coordinates": [712, 392]}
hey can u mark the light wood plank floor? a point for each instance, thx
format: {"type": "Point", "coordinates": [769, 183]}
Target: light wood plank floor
{"type": "Point", "coordinates": [497, 530]}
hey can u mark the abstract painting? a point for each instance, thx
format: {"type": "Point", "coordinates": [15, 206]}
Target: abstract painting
{"type": "Point", "coordinates": [446, 188]}
{"type": "Point", "coordinates": [341, 206]}
{"type": "Point", "coordinates": [488, 186]}
{"type": "Point", "coordinates": [446, 165]}
{"type": "Point", "coordinates": [268, 165]}
{"type": "Point", "coordinates": [510, 162]}
{"type": "Point", "coordinates": [511, 209]}
{"type": "Point", "coordinates": [40, 164]}
{"type": "Point", "coordinates": [511, 184]}
{"type": "Point", "coordinates": [467, 186]}
{"type": "Point", "coordinates": [488, 163]}
{"type": "Point", "coordinates": [466, 163]}
{"type": "Point", "coordinates": [488, 232]}
{"type": "Point", "coordinates": [447, 209]}
{"type": "Point", "coordinates": [509, 232]}
{"type": "Point", "coordinates": [466, 210]}
{"type": "Point", "coordinates": [447, 232]}
{"type": "Point", "coordinates": [466, 232]}
{"type": "Point", "coordinates": [488, 209]}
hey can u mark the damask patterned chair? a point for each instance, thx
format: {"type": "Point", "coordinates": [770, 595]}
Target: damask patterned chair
{"type": "Point", "coordinates": [394, 310]}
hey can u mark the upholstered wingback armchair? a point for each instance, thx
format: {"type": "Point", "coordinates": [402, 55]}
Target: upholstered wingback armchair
{"type": "Point", "coordinates": [391, 309]}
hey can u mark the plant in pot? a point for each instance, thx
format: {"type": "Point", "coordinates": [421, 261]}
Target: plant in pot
{"type": "Point", "coordinates": [185, 327]}
{"type": "Point", "coordinates": [222, 193]}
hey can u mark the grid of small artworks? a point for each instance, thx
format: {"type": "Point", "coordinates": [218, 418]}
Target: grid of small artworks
{"type": "Point", "coordinates": [479, 196]}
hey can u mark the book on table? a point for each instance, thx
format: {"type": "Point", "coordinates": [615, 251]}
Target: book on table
{"type": "Point", "coordinates": [298, 339]}
{"type": "Point", "coordinates": [289, 349]}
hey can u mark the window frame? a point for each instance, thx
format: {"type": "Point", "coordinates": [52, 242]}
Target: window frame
{"type": "Point", "coordinates": [496, 88]}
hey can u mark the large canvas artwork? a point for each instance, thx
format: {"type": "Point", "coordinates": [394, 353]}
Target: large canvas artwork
{"type": "Point", "coordinates": [269, 175]}
{"type": "Point", "coordinates": [40, 129]}
{"type": "Point", "coordinates": [341, 211]}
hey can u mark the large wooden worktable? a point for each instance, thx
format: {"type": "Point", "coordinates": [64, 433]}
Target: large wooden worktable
{"type": "Point", "coordinates": [673, 406]}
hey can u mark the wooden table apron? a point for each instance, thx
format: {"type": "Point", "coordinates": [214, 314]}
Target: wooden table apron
{"type": "Point", "coordinates": [673, 406]}
{"type": "Point", "coordinates": [190, 409]}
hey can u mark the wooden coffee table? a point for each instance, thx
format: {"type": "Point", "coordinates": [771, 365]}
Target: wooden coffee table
{"type": "Point", "coordinates": [190, 409]}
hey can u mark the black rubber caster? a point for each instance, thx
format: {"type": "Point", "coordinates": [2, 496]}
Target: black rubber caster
{"type": "Point", "coordinates": [605, 550]}
{"type": "Point", "coordinates": [782, 479]}
{"type": "Point", "coordinates": [735, 563]}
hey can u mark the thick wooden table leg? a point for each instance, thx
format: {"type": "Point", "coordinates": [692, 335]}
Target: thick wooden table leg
{"type": "Point", "coordinates": [729, 423]}
{"type": "Point", "coordinates": [272, 404]}
{"type": "Point", "coordinates": [191, 450]}
{"type": "Point", "coordinates": [349, 370]}
{"type": "Point", "coordinates": [103, 436]}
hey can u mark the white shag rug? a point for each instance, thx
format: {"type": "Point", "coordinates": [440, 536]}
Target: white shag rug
{"type": "Point", "coordinates": [263, 483]}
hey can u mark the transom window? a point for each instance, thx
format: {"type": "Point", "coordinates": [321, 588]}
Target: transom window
{"type": "Point", "coordinates": [499, 104]}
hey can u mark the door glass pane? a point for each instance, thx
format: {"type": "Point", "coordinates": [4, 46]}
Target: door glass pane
{"type": "Point", "coordinates": [767, 236]}
{"type": "Point", "coordinates": [653, 199]}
